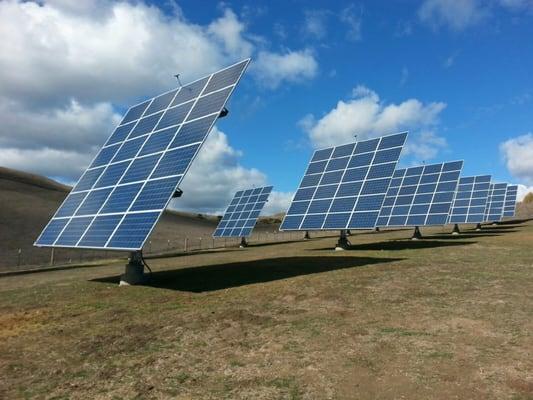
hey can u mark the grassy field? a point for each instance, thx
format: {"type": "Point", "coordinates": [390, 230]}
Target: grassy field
{"type": "Point", "coordinates": [443, 318]}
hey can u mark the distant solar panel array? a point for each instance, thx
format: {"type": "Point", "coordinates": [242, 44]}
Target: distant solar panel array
{"type": "Point", "coordinates": [242, 213]}
{"type": "Point", "coordinates": [495, 202]}
{"type": "Point", "coordinates": [120, 197]}
{"type": "Point", "coordinates": [420, 195]}
{"type": "Point", "coordinates": [470, 200]}
{"type": "Point", "coordinates": [344, 186]}
{"type": "Point", "coordinates": [509, 204]}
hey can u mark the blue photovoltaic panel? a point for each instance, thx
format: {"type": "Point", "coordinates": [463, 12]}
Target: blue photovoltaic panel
{"type": "Point", "coordinates": [420, 195]}
{"type": "Point", "coordinates": [470, 200]}
{"type": "Point", "coordinates": [510, 201]}
{"type": "Point", "coordinates": [120, 197]}
{"type": "Point", "coordinates": [495, 202]}
{"type": "Point", "coordinates": [344, 186]}
{"type": "Point", "coordinates": [243, 212]}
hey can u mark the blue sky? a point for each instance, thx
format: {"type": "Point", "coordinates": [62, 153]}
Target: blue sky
{"type": "Point", "coordinates": [456, 74]}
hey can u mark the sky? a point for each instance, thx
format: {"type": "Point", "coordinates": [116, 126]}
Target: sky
{"type": "Point", "coordinates": [457, 74]}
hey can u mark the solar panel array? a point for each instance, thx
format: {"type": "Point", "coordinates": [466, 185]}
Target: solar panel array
{"type": "Point", "coordinates": [242, 213]}
{"type": "Point", "coordinates": [344, 186]}
{"type": "Point", "coordinates": [495, 202]}
{"type": "Point", "coordinates": [420, 195]}
{"type": "Point", "coordinates": [510, 201]}
{"type": "Point", "coordinates": [470, 200]}
{"type": "Point", "coordinates": [120, 197]}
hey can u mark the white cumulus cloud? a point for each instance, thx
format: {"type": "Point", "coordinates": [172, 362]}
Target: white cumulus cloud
{"type": "Point", "coordinates": [366, 116]}
{"type": "Point", "coordinates": [217, 174]}
{"type": "Point", "coordinates": [517, 154]}
{"type": "Point", "coordinates": [68, 69]}
{"type": "Point", "coordinates": [291, 66]}
{"type": "Point", "coordinates": [454, 14]}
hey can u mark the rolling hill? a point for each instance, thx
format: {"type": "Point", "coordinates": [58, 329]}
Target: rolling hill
{"type": "Point", "coordinates": [27, 201]}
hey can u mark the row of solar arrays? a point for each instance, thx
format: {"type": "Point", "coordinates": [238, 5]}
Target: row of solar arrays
{"type": "Point", "coordinates": [344, 186]}
{"type": "Point", "coordinates": [420, 195]}
{"type": "Point", "coordinates": [121, 196]}
{"type": "Point", "coordinates": [243, 212]}
{"type": "Point", "coordinates": [510, 201]}
{"type": "Point", "coordinates": [470, 200]}
{"type": "Point", "coordinates": [496, 200]}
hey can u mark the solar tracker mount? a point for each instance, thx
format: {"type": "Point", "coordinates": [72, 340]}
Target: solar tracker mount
{"type": "Point", "coordinates": [119, 199]}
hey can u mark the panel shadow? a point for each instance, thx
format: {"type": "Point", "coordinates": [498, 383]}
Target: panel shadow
{"type": "Point", "coordinates": [223, 276]}
{"type": "Point", "coordinates": [403, 244]}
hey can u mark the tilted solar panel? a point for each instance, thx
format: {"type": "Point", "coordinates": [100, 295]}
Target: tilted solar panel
{"type": "Point", "coordinates": [495, 202]}
{"type": "Point", "coordinates": [120, 197]}
{"type": "Point", "coordinates": [470, 200]}
{"type": "Point", "coordinates": [344, 186]}
{"type": "Point", "coordinates": [510, 201]}
{"type": "Point", "coordinates": [422, 195]}
{"type": "Point", "coordinates": [242, 213]}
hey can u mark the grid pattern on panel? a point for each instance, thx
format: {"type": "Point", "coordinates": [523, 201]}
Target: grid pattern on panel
{"type": "Point", "coordinates": [420, 195]}
{"type": "Point", "coordinates": [470, 200]}
{"type": "Point", "coordinates": [510, 201]}
{"type": "Point", "coordinates": [242, 213]}
{"type": "Point", "coordinates": [344, 186]}
{"type": "Point", "coordinates": [495, 202]}
{"type": "Point", "coordinates": [120, 197]}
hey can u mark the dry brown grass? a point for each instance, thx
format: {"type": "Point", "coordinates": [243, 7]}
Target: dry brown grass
{"type": "Point", "coordinates": [443, 318]}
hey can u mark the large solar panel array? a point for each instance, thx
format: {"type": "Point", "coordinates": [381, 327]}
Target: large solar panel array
{"type": "Point", "coordinates": [510, 201]}
{"type": "Point", "coordinates": [420, 195]}
{"type": "Point", "coordinates": [120, 197]}
{"type": "Point", "coordinates": [242, 213]}
{"type": "Point", "coordinates": [495, 202]}
{"type": "Point", "coordinates": [344, 186]}
{"type": "Point", "coordinates": [470, 200]}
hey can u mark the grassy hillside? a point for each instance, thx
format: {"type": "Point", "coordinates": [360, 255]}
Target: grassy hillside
{"type": "Point", "coordinates": [442, 318]}
{"type": "Point", "coordinates": [28, 201]}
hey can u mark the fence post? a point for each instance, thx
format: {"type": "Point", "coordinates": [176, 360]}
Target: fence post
{"type": "Point", "coordinates": [19, 257]}
{"type": "Point", "coordinates": [185, 245]}
{"type": "Point", "coordinates": [52, 257]}
{"type": "Point", "coordinates": [200, 243]}
{"type": "Point", "coordinates": [213, 239]}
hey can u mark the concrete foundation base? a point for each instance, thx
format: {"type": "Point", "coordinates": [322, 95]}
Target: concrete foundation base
{"type": "Point", "coordinates": [416, 234]}
{"type": "Point", "coordinates": [456, 230]}
{"type": "Point", "coordinates": [343, 243]}
{"type": "Point", "coordinates": [134, 272]}
{"type": "Point", "coordinates": [478, 227]}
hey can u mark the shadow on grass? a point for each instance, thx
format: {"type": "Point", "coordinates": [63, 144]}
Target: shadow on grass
{"type": "Point", "coordinates": [462, 235]}
{"type": "Point", "coordinates": [404, 244]}
{"type": "Point", "coordinates": [181, 253]}
{"type": "Point", "coordinates": [514, 221]}
{"type": "Point", "coordinates": [224, 276]}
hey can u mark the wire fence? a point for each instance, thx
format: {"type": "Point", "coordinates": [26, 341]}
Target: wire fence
{"type": "Point", "coordinates": [35, 257]}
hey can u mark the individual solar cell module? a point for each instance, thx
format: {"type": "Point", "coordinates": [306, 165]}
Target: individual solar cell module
{"type": "Point", "coordinates": [470, 200]}
{"type": "Point", "coordinates": [509, 205]}
{"type": "Point", "coordinates": [495, 202]}
{"type": "Point", "coordinates": [420, 195]}
{"type": "Point", "coordinates": [120, 197]}
{"type": "Point", "coordinates": [242, 213]}
{"type": "Point", "coordinates": [344, 186]}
